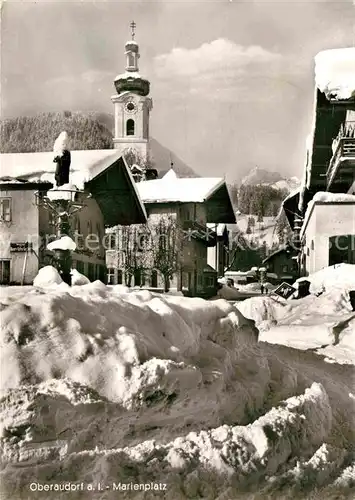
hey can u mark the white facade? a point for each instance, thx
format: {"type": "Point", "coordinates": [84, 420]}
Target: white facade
{"type": "Point", "coordinates": [328, 231]}
{"type": "Point", "coordinates": [132, 123]}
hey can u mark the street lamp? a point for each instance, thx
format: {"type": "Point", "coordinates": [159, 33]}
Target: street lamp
{"type": "Point", "coordinates": [260, 273]}
{"type": "Point", "coordinates": [62, 204]}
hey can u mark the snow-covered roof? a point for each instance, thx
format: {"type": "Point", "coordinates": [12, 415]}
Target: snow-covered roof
{"type": "Point", "coordinates": [335, 72]}
{"type": "Point", "coordinates": [128, 74]}
{"type": "Point", "coordinates": [282, 249]}
{"type": "Point", "coordinates": [170, 175]}
{"type": "Point", "coordinates": [172, 189]}
{"type": "Point", "coordinates": [325, 197]}
{"type": "Point", "coordinates": [85, 165]}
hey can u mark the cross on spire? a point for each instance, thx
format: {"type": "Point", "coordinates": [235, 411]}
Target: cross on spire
{"type": "Point", "coordinates": [133, 28]}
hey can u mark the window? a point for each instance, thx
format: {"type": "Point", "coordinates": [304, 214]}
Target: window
{"type": "Point", "coordinates": [130, 127]}
{"type": "Point", "coordinates": [342, 249]}
{"type": "Point", "coordinates": [142, 242]}
{"type": "Point", "coordinates": [209, 281]}
{"type": "Point", "coordinates": [91, 272]}
{"type": "Point", "coordinates": [4, 272]}
{"type": "Point", "coordinates": [98, 231]}
{"type": "Point", "coordinates": [98, 272]}
{"type": "Point", "coordinates": [119, 277]}
{"type": "Point", "coordinates": [137, 277]}
{"type": "Point", "coordinates": [110, 275]}
{"type": "Point", "coordinates": [80, 267]}
{"type": "Point", "coordinates": [112, 241]}
{"type": "Point", "coordinates": [5, 209]}
{"type": "Point", "coordinates": [77, 224]}
{"type": "Point", "coordinates": [154, 279]}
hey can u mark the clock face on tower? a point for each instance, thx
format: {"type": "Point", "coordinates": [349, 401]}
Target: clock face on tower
{"type": "Point", "coordinates": [131, 107]}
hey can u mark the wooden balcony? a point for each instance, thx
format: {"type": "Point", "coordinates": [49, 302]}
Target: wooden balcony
{"type": "Point", "coordinates": [341, 170]}
{"type": "Point", "coordinates": [195, 231]}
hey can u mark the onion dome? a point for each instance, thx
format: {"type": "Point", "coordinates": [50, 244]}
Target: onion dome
{"type": "Point", "coordinates": [131, 80]}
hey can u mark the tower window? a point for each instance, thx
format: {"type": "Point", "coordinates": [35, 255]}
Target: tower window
{"type": "Point", "coordinates": [130, 127]}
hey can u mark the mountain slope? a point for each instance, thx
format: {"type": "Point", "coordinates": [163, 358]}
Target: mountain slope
{"type": "Point", "coordinates": [260, 176]}
{"type": "Point", "coordinates": [162, 158]}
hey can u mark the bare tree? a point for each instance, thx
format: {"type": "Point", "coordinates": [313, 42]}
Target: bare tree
{"type": "Point", "coordinates": [167, 248]}
{"type": "Point", "coordinates": [135, 250]}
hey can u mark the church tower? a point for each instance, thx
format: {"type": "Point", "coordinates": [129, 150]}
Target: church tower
{"type": "Point", "coordinates": [132, 105]}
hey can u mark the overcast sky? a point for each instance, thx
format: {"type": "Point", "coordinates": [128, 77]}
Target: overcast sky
{"type": "Point", "coordinates": [231, 82]}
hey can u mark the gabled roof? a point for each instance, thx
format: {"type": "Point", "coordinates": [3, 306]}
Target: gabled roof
{"type": "Point", "coordinates": [173, 189]}
{"type": "Point", "coordinates": [209, 190]}
{"type": "Point", "coordinates": [85, 165]}
{"type": "Point", "coordinates": [86, 171]}
{"type": "Point", "coordinates": [283, 249]}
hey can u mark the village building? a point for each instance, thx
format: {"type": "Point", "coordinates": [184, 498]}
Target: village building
{"type": "Point", "coordinates": [322, 212]}
{"type": "Point", "coordinates": [199, 207]}
{"type": "Point", "coordinates": [106, 191]}
{"type": "Point", "coordinates": [282, 265]}
{"type": "Point", "coordinates": [119, 189]}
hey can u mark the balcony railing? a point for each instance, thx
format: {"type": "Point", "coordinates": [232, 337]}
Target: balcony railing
{"type": "Point", "coordinates": [194, 230]}
{"type": "Point", "coordinates": [343, 152]}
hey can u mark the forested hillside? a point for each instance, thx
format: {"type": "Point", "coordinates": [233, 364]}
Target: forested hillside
{"type": "Point", "coordinates": [89, 130]}
{"type": "Point", "coordinates": [38, 133]}
{"type": "Point", "coordinates": [261, 200]}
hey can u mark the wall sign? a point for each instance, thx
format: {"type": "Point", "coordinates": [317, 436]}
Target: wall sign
{"type": "Point", "coordinates": [21, 247]}
{"type": "Point", "coordinates": [285, 290]}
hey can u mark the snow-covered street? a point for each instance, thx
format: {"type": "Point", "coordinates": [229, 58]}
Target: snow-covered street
{"type": "Point", "coordinates": [105, 385]}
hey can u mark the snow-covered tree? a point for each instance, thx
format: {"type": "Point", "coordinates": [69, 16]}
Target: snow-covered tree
{"type": "Point", "coordinates": [283, 230]}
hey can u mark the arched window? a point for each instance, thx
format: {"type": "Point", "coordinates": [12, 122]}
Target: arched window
{"type": "Point", "coordinates": [130, 127]}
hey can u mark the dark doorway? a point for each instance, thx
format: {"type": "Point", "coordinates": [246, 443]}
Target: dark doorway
{"type": "Point", "coordinates": [4, 272]}
{"type": "Point", "coordinates": [342, 249]}
{"type": "Point", "coordinates": [154, 279]}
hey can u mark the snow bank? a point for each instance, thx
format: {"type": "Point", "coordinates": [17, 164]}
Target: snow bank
{"type": "Point", "coordinates": [323, 321]}
{"type": "Point", "coordinates": [335, 72]}
{"type": "Point", "coordinates": [78, 278]}
{"type": "Point", "coordinates": [264, 310]}
{"type": "Point", "coordinates": [104, 384]}
{"type": "Point", "coordinates": [255, 287]}
{"type": "Point", "coordinates": [63, 243]}
{"type": "Point", "coordinates": [124, 345]}
{"type": "Point", "coordinates": [337, 279]}
{"type": "Point", "coordinates": [47, 276]}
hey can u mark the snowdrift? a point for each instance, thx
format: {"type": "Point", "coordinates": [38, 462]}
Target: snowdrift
{"type": "Point", "coordinates": [323, 321]}
{"type": "Point", "coordinates": [104, 385]}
